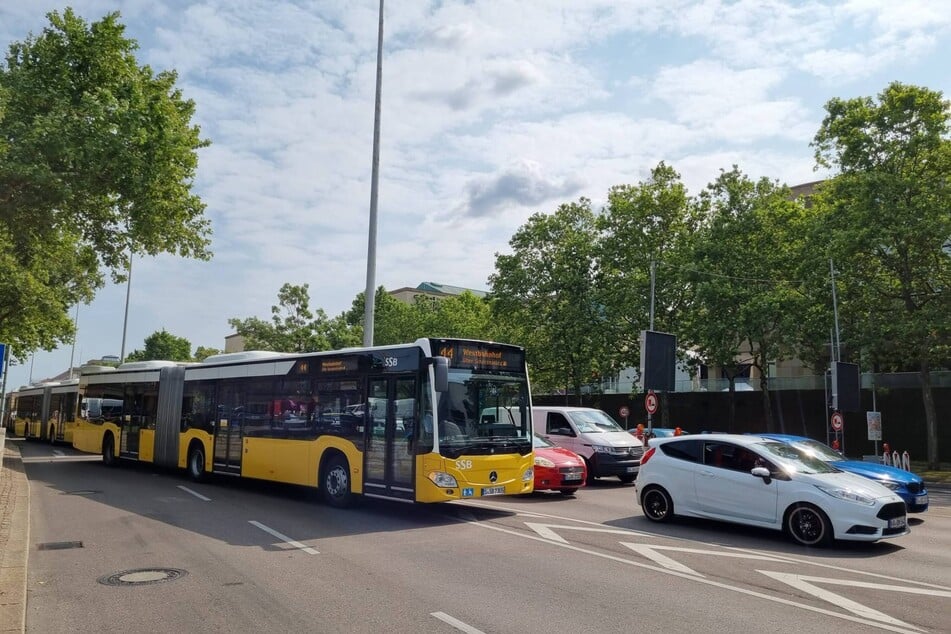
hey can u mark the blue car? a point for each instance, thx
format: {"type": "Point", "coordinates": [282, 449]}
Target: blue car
{"type": "Point", "coordinates": [906, 484]}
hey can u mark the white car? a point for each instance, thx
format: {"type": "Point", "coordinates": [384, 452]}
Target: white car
{"type": "Point", "coordinates": [751, 480]}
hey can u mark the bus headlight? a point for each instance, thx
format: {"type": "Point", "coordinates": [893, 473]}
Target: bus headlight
{"type": "Point", "coordinates": [529, 474]}
{"type": "Point", "coordinates": [544, 462]}
{"type": "Point", "coordinates": [443, 479]}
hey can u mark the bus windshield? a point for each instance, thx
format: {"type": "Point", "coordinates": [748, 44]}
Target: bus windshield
{"type": "Point", "coordinates": [484, 414]}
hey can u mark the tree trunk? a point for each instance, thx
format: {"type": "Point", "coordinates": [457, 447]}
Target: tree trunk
{"type": "Point", "coordinates": [931, 419]}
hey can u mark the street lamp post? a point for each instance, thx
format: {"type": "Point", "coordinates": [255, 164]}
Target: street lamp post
{"type": "Point", "coordinates": [125, 319]}
{"type": "Point", "coordinates": [370, 294]}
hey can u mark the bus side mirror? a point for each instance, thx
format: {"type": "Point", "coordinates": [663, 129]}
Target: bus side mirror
{"type": "Point", "coordinates": [441, 373]}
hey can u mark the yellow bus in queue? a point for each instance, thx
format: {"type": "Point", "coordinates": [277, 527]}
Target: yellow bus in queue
{"type": "Point", "coordinates": [47, 411]}
{"type": "Point", "coordinates": [405, 422]}
{"type": "Point", "coordinates": [10, 414]}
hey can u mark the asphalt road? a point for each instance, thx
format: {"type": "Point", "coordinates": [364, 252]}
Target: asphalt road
{"type": "Point", "coordinates": [138, 550]}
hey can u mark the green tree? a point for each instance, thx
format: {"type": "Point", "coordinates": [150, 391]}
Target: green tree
{"type": "Point", "coordinates": [97, 160]}
{"type": "Point", "coordinates": [164, 346]}
{"type": "Point", "coordinates": [886, 216]}
{"type": "Point", "coordinates": [644, 225]}
{"type": "Point", "coordinates": [745, 311]}
{"type": "Point", "coordinates": [202, 353]}
{"type": "Point", "coordinates": [294, 327]}
{"type": "Point", "coordinates": [544, 295]}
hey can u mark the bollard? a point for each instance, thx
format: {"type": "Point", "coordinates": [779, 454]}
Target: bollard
{"type": "Point", "coordinates": [906, 461]}
{"type": "Point", "coordinates": [896, 459]}
{"type": "Point", "coordinates": [886, 459]}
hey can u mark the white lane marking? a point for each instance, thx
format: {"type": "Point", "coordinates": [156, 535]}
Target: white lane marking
{"type": "Point", "coordinates": [801, 582]}
{"type": "Point", "coordinates": [284, 538]}
{"type": "Point", "coordinates": [788, 558]}
{"type": "Point", "coordinates": [545, 530]}
{"type": "Point", "coordinates": [709, 582]}
{"type": "Point", "coordinates": [195, 493]}
{"type": "Point", "coordinates": [650, 551]}
{"type": "Point", "coordinates": [658, 558]}
{"type": "Point", "coordinates": [456, 623]}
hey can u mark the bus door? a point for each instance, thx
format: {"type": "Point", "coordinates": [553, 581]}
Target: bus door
{"type": "Point", "coordinates": [228, 430]}
{"type": "Point", "coordinates": [388, 458]}
{"type": "Point", "coordinates": [129, 424]}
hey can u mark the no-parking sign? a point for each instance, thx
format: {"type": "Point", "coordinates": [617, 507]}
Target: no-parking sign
{"type": "Point", "coordinates": [837, 421]}
{"type": "Point", "coordinates": [650, 402]}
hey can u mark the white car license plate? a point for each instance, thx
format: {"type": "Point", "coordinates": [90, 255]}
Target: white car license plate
{"type": "Point", "coordinates": [897, 522]}
{"type": "Point", "coordinates": [632, 469]}
{"type": "Point", "coordinates": [922, 499]}
{"type": "Point", "coordinates": [571, 476]}
{"type": "Point", "coordinates": [493, 491]}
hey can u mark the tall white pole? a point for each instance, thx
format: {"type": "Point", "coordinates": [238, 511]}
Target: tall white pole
{"type": "Point", "coordinates": [125, 320]}
{"type": "Point", "coordinates": [72, 352]}
{"type": "Point", "coordinates": [835, 312]}
{"type": "Point", "coordinates": [370, 294]}
{"type": "Point", "coordinates": [652, 293]}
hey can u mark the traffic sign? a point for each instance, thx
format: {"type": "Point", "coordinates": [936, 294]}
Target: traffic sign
{"type": "Point", "coordinates": [624, 411]}
{"type": "Point", "coordinates": [837, 421]}
{"type": "Point", "coordinates": [650, 402]}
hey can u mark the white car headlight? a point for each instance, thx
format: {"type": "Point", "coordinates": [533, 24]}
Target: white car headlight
{"type": "Point", "coordinates": [894, 486]}
{"type": "Point", "coordinates": [443, 479]}
{"type": "Point", "coordinates": [848, 495]}
{"type": "Point", "coordinates": [543, 462]}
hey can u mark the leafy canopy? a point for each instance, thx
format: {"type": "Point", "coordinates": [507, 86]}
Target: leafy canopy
{"type": "Point", "coordinates": [97, 160]}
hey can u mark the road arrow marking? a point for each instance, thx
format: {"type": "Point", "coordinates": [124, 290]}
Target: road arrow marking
{"type": "Point", "coordinates": [806, 584]}
{"type": "Point", "coordinates": [545, 530]}
{"type": "Point", "coordinates": [650, 551]}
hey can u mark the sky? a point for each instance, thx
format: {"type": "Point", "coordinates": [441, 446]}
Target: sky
{"type": "Point", "coordinates": [492, 110]}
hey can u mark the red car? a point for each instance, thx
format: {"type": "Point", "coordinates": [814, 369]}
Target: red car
{"type": "Point", "coordinates": [557, 468]}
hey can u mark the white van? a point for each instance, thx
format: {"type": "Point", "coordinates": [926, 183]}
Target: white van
{"type": "Point", "coordinates": [607, 449]}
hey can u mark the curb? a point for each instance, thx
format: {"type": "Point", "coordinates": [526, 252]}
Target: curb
{"type": "Point", "coordinates": [14, 538]}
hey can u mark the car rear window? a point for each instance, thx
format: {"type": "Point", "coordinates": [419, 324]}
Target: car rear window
{"type": "Point", "coordinates": [689, 450]}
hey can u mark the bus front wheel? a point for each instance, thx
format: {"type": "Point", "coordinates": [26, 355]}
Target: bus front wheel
{"type": "Point", "coordinates": [335, 483]}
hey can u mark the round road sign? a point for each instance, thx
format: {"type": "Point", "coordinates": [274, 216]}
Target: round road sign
{"type": "Point", "coordinates": [650, 402]}
{"type": "Point", "coordinates": [624, 411]}
{"type": "Point", "coordinates": [837, 421]}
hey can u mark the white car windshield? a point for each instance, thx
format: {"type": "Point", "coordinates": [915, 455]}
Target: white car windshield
{"type": "Point", "coordinates": [793, 459]}
{"type": "Point", "coordinates": [588, 421]}
{"type": "Point", "coordinates": [817, 449]}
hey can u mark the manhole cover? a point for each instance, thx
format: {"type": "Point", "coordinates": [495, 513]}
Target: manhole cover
{"type": "Point", "coordinates": [142, 576]}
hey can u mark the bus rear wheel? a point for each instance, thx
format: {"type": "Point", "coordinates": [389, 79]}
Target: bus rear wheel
{"type": "Point", "coordinates": [108, 451]}
{"type": "Point", "coordinates": [335, 482]}
{"type": "Point", "coordinates": [196, 463]}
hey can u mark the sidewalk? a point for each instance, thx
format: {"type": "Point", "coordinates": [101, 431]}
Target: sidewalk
{"type": "Point", "coordinates": [14, 537]}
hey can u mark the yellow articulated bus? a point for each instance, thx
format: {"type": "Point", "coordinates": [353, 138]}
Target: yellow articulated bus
{"type": "Point", "coordinates": [47, 411]}
{"type": "Point", "coordinates": [430, 421]}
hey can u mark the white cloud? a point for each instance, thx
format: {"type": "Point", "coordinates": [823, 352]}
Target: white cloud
{"type": "Point", "coordinates": [492, 110]}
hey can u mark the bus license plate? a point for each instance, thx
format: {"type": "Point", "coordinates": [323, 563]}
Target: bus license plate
{"type": "Point", "coordinates": [898, 522]}
{"type": "Point", "coordinates": [493, 491]}
{"type": "Point", "coordinates": [922, 499]}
